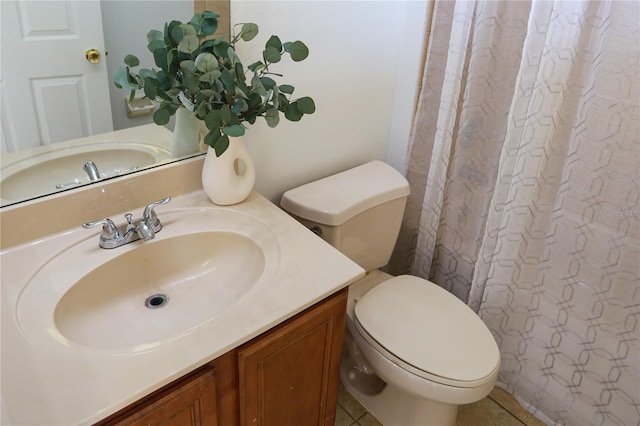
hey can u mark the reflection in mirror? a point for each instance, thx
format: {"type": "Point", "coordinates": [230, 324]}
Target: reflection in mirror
{"type": "Point", "coordinates": [60, 109]}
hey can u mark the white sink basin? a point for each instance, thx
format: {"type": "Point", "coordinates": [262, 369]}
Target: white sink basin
{"type": "Point", "coordinates": [40, 174]}
{"type": "Point", "coordinates": [136, 297]}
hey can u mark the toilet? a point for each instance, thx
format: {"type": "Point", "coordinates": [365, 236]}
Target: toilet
{"type": "Point", "coordinates": [412, 352]}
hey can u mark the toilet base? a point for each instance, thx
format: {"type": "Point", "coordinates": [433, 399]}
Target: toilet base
{"type": "Point", "coordinates": [391, 405]}
{"type": "Point", "coordinates": [394, 407]}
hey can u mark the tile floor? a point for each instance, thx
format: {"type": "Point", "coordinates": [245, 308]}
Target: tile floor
{"type": "Point", "coordinates": [498, 409]}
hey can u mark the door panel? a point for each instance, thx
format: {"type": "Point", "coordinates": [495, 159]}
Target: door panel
{"type": "Point", "coordinates": [52, 91]}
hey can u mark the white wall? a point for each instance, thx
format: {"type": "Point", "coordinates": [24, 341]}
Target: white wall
{"type": "Point", "coordinates": [362, 72]}
{"type": "Point", "coordinates": [407, 81]}
{"type": "Point", "coordinates": [126, 24]}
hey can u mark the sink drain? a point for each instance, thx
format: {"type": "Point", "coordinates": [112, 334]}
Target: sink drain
{"type": "Point", "coordinates": [156, 301]}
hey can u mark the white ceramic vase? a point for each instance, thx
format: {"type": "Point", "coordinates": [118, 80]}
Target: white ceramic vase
{"type": "Point", "coordinates": [186, 134]}
{"type": "Point", "coordinates": [228, 179]}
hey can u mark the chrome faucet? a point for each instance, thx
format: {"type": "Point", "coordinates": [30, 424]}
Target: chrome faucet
{"type": "Point", "coordinates": [145, 228]}
{"type": "Point", "coordinates": [94, 175]}
{"type": "Point", "coordinates": [92, 171]}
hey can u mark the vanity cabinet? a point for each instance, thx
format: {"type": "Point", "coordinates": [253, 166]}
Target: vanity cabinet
{"type": "Point", "coordinates": [289, 376]}
{"type": "Point", "coordinates": [286, 376]}
{"type": "Point", "coordinates": [192, 403]}
{"type": "Point", "coordinates": [204, 397]}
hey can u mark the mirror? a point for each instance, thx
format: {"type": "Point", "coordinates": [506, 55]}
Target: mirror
{"type": "Point", "coordinates": [64, 123]}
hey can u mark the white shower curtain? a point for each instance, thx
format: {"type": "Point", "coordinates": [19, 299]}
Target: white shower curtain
{"type": "Point", "coordinates": [525, 175]}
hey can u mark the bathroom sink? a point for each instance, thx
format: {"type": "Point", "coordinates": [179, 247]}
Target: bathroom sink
{"type": "Point", "coordinates": [188, 279]}
{"type": "Point", "coordinates": [56, 169]}
{"type": "Point", "coordinates": [141, 295]}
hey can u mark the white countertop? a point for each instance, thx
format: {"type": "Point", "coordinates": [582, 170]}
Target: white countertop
{"type": "Point", "coordinates": [44, 385]}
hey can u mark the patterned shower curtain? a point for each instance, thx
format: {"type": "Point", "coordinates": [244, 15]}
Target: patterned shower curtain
{"type": "Point", "coordinates": [524, 167]}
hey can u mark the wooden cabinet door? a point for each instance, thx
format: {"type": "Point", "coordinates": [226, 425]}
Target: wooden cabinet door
{"type": "Point", "coordinates": [191, 403]}
{"type": "Point", "coordinates": [289, 375]}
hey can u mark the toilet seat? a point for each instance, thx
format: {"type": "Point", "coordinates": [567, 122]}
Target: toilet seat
{"type": "Point", "coordinates": [428, 331]}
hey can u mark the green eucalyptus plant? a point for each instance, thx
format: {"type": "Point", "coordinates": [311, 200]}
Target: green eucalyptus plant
{"type": "Point", "coordinates": [206, 76]}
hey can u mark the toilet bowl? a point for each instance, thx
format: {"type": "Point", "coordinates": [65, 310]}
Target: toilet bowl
{"type": "Point", "coordinates": [412, 352]}
{"type": "Point", "coordinates": [405, 394]}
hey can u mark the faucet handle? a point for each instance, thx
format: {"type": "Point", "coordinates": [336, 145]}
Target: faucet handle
{"type": "Point", "coordinates": [149, 214]}
{"type": "Point", "coordinates": [109, 229]}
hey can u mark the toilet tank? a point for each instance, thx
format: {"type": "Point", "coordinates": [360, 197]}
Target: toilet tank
{"type": "Point", "coordinates": [358, 211]}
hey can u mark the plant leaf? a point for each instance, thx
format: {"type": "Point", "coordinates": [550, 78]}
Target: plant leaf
{"type": "Point", "coordinates": [239, 72]}
{"type": "Point", "coordinates": [207, 46]}
{"type": "Point", "coordinates": [239, 105]}
{"type": "Point", "coordinates": [201, 110]}
{"type": "Point", "coordinates": [168, 28]}
{"type": "Point", "coordinates": [256, 66]}
{"type": "Point", "coordinates": [161, 116]}
{"type": "Point", "coordinates": [220, 49]}
{"type": "Point", "coordinates": [154, 35]}
{"type": "Point", "coordinates": [160, 58]}
{"type": "Point", "coordinates": [150, 90]}
{"type": "Point", "coordinates": [177, 34]}
{"type": "Point", "coordinates": [210, 15]}
{"type": "Point", "coordinates": [212, 137]}
{"type": "Point", "coordinates": [231, 54]}
{"type": "Point", "coordinates": [248, 31]}
{"type": "Point", "coordinates": [306, 105]}
{"type": "Point", "coordinates": [275, 98]}
{"type": "Point", "coordinates": [286, 88]}
{"type": "Point", "coordinates": [131, 61]}
{"type": "Point", "coordinates": [146, 73]}
{"type": "Point", "coordinates": [292, 113]}
{"type": "Point", "coordinates": [227, 80]}
{"type": "Point", "coordinates": [170, 63]}
{"type": "Point", "coordinates": [267, 82]}
{"type": "Point", "coordinates": [221, 145]}
{"type": "Point", "coordinates": [156, 44]}
{"type": "Point", "coordinates": [233, 130]}
{"type": "Point", "coordinates": [213, 119]}
{"type": "Point", "coordinates": [254, 100]}
{"type": "Point", "coordinates": [206, 62]}
{"type": "Point", "coordinates": [234, 119]}
{"type": "Point", "coordinates": [188, 29]}
{"type": "Point", "coordinates": [272, 117]}
{"type": "Point", "coordinates": [189, 44]}
{"type": "Point", "coordinates": [274, 41]}
{"type": "Point", "coordinates": [209, 25]}
{"type": "Point", "coordinates": [257, 87]}
{"type": "Point", "coordinates": [121, 78]}
{"type": "Point", "coordinates": [188, 66]}
{"type": "Point", "coordinates": [240, 92]}
{"type": "Point", "coordinates": [271, 54]}
{"type": "Point", "coordinates": [298, 51]}
{"type": "Point", "coordinates": [192, 83]}
{"type": "Point", "coordinates": [283, 102]}
{"type": "Point", "coordinates": [210, 77]}
{"type": "Point", "coordinates": [225, 113]}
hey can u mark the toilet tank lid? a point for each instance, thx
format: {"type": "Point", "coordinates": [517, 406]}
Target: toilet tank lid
{"type": "Point", "coordinates": [335, 199]}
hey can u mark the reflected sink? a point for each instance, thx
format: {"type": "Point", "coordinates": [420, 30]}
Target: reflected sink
{"type": "Point", "coordinates": [141, 295]}
{"type": "Point", "coordinates": [39, 174]}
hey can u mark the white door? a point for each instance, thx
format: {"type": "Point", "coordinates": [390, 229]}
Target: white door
{"type": "Point", "coordinates": [49, 91]}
